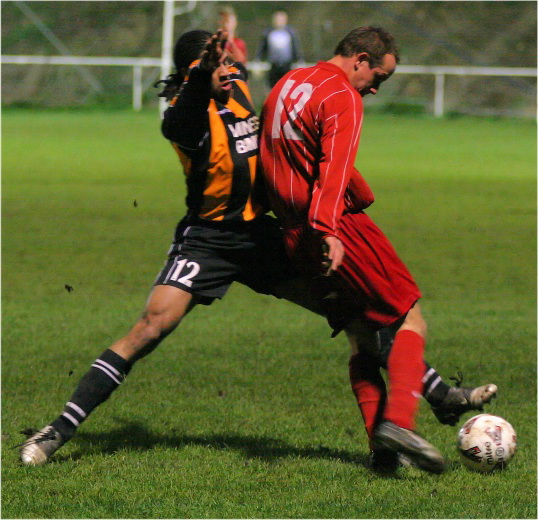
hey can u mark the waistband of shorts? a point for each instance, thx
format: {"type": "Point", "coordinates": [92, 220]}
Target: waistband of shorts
{"type": "Point", "coordinates": [194, 220]}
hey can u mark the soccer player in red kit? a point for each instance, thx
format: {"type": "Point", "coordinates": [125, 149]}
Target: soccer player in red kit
{"type": "Point", "coordinates": [311, 125]}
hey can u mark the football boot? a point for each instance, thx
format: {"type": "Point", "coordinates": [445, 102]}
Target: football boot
{"type": "Point", "coordinates": [463, 399]}
{"type": "Point", "coordinates": [39, 447]}
{"type": "Point", "coordinates": [390, 437]}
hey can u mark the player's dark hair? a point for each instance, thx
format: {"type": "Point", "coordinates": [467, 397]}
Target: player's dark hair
{"type": "Point", "coordinates": [189, 46]}
{"type": "Point", "coordinates": [186, 50]}
{"type": "Point", "coordinates": [373, 40]}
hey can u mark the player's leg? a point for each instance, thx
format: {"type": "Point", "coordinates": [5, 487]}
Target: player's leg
{"type": "Point", "coordinates": [199, 268]}
{"type": "Point", "coordinates": [167, 305]}
{"type": "Point", "coordinates": [387, 292]}
{"type": "Point", "coordinates": [367, 383]}
{"type": "Point", "coordinates": [165, 308]}
{"type": "Point", "coordinates": [374, 280]}
{"type": "Point", "coordinates": [364, 371]}
{"type": "Point", "coordinates": [369, 389]}
{"type": "Point", "coordinates": [447, 402]}
{"type": "Point", "coordinates": [405, 368]}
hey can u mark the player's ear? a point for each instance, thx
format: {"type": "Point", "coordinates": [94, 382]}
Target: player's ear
{"type": "Point", "coordinates": [361, 58]}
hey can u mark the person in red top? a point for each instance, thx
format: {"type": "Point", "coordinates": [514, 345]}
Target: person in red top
{"type": "Point", "coordinates": [235, 47]}
{"type": "Point", "coordinates": [311, 125]}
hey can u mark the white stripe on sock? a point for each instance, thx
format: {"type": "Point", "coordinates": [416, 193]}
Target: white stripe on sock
{"type": "Point", "coordinates": [107, 365]}
{"type": "Point", "coordinates": [71, 418]}
{"type": "Point", "coordinates": [432, 386]}
{"type": "Point", "coordinates": [109, 374]}
{"type": "Point", "coordinates": [428, 374]}
{"type": "Point", "coordinates": [77, 409]}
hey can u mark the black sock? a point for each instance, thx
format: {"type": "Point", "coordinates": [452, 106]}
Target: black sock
{"type": "Point", "coordinates": [434, 389]}
{"type": "Point", "coordinates": [105, 375]}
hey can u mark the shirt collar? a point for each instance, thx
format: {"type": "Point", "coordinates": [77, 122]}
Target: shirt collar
{"type": "Point", "coordinates": [331, 67]}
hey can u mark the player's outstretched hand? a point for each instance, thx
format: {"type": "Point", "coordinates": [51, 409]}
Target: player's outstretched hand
{"type": "Point", "coordinates": [333, 254]}
{"type": "Point", "coordinates": [212, 54]}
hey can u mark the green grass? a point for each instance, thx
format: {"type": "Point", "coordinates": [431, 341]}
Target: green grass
{"type": "Point", "coordinates": [245, 411]}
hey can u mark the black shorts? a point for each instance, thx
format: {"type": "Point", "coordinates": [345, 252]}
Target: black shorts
{"type": "Point", "coordinates": [206, 257]}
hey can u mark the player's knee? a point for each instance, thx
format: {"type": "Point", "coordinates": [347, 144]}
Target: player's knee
{"type": "Point", "coordinates": [422, 328]}
{"type": "Point", "coordinates": [156, 325]}
{"type": "Point", "coordinates": [415, 321]}
{"type": "Point", "coordinates": [147, 332]}
{"type": "Point", "coordinates": [145, 336]}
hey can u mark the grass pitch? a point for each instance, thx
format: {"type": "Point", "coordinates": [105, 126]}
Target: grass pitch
{"type": "Point", "coordinates": [245, 411]}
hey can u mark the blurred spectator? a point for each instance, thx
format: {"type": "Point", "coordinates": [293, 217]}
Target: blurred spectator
{"type": "Point", "coordinates": [236, 47]}
{"type": "Point", "coordinates": [279, 46]}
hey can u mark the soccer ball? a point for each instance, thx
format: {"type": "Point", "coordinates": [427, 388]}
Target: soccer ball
{"type": "Point", "coordinates": [486, 442]}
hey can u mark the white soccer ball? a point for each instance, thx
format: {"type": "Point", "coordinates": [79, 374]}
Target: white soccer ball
{"type": "Point", "coordinates": [486, 442]}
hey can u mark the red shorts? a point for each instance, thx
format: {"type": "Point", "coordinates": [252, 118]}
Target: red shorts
{"type": "Point", "coordinates": [372, 283]}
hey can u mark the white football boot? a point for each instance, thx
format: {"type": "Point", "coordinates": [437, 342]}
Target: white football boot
{"type": "Point", "coordinates": [38, 448]}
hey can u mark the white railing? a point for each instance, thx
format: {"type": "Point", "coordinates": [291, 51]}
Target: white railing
{"type": "Point", "coordinates": [136, 63]}
{"type": "Point", "coordinates": [257, 67]}
{"type": "Point", "coordinates": [441, 71]}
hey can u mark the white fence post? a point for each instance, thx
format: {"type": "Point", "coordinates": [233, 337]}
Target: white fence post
{"type": "Point", "coordinates": [137, 88]}
{"type": "Point", "coordinates": [166, 45]}
{"type": "Point", "coordinates": [439, 99]}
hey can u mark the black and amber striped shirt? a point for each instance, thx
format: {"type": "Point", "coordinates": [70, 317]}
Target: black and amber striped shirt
{"type": "Point", "coordinates": [218, 147]}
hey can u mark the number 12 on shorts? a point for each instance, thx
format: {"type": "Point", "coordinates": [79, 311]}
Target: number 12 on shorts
{"type": "Point", "coordinates": [191, 270]}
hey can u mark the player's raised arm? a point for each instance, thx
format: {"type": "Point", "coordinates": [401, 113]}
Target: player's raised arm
{"type": "Point", "coordinates": [185, 121]}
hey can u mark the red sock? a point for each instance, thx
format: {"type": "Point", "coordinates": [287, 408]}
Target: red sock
{"type": "Point", "coordinates": [405, 371]}
{"type": "Point", "coordinates": [369, 389]}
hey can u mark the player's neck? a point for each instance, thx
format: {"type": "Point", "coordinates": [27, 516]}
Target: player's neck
{"type": "Point", "coordinates": [344, 63]}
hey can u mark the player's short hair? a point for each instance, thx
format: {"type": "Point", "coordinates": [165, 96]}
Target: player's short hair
{"type": "Point", "coordinates": [373, 40]}
{"type": "Point", "coordinates": [189, 47]}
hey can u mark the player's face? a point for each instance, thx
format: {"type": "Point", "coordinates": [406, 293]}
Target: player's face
{"type": "Point", "coordinates": [367, 80]}
{"type": "Point", "coordinates": [221, 84]}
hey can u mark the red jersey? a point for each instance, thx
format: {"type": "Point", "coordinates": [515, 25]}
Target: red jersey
{"type": "Point", "coordinates": [310, 135]}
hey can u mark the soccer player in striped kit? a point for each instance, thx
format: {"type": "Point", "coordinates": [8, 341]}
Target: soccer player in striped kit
{"type": "Point", "coordinates": [311, 125]}
{"type": "Point", "coordinates": [224, 237]}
